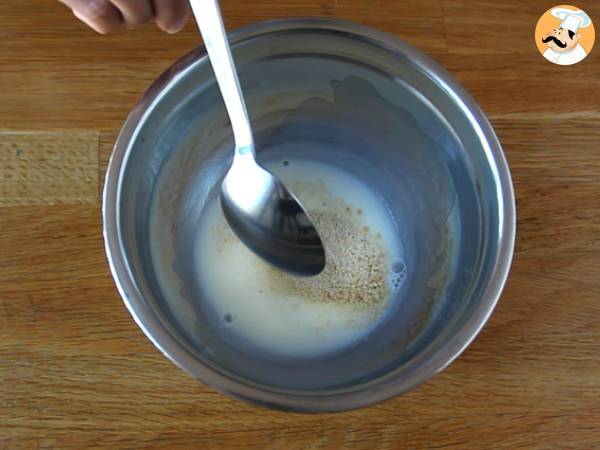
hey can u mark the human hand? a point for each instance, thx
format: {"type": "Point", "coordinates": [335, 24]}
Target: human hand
{"type": "Point", "coordinates": [105, 16]}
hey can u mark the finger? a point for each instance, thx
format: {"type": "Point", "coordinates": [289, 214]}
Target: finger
{"type": "Point", "coordinates": [100, 15]}
{"type": "Point", "coordinates": [171, 15]}
{"type": "Point", "coordinates": [135, 12]}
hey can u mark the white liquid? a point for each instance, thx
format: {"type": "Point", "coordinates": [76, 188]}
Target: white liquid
{"type": "Point", "coordinates": [238, 284]}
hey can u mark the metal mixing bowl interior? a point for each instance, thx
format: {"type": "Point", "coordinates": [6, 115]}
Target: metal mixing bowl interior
{"type": "Point", "coordinates": [341, 94]}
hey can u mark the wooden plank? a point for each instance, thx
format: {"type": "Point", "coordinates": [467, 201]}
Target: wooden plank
{"type": "Point", "coordinates": [47, 74]}
{"type": "Point", "coordinates": [526, 85]}
{"type": "Point", "coordinates": [488, 78]}
{"type": "Point", "coordinates": [48, 168]}
{"type": "Point", "coordinates": [484, 27]}
{"type": "Point", "coordinates": [558, 218]}
{"type": "Point", "coordinates": [107, 142]}
{"type": "Point", "coordinates": [555, 148]}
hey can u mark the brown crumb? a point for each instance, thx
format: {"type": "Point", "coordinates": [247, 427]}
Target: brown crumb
{"type": "Point", "coordinates": [356, 261]}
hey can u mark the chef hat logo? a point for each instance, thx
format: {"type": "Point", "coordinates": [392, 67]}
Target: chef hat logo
{"type": "Point", "coordinates": [564, 35]}
{"type": "Point", "coordinates": [571, 19]}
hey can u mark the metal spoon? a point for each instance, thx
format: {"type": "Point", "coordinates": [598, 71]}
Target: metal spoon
{"type": "Point", "coordinates": [258, 207]}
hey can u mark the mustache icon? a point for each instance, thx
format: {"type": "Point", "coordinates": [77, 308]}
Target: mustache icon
{"type": "Point", "coordinates": [556, 41]}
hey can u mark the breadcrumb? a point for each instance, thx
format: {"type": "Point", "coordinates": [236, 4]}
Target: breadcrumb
{"type": "Point", "coordinates": [356, 269]}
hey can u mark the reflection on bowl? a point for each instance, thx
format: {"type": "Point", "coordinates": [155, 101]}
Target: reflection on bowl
{"type": "Point", "coordinates": [343, 95]}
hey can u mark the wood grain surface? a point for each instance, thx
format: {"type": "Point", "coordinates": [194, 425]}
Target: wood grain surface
{"type": "Point", "coordinates": [76, 372]}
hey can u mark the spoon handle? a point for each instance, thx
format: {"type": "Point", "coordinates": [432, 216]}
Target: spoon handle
{"type": "Point", "coordinates": [210, 22]}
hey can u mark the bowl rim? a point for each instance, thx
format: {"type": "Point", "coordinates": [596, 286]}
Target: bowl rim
{"type": "Point", "coordinates": [377, 390]}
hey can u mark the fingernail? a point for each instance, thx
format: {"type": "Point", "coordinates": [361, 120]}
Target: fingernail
{"type": "Point", "coordinates": [177, 26]}
{"type": "Point", "coordinates": [175, 29]}
{"type": "Point", "coordinates": [89, 22]}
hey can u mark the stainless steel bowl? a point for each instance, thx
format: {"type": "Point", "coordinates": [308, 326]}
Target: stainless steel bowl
{"type": "Point", "coordinates": [342, 94]}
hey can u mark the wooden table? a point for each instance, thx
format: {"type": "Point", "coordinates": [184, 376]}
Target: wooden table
{"type": "Point", "coordinates": [76, 372]}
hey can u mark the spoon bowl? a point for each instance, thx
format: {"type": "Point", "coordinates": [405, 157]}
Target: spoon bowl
{"type": "Point", "coordinates": [269, 219]}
